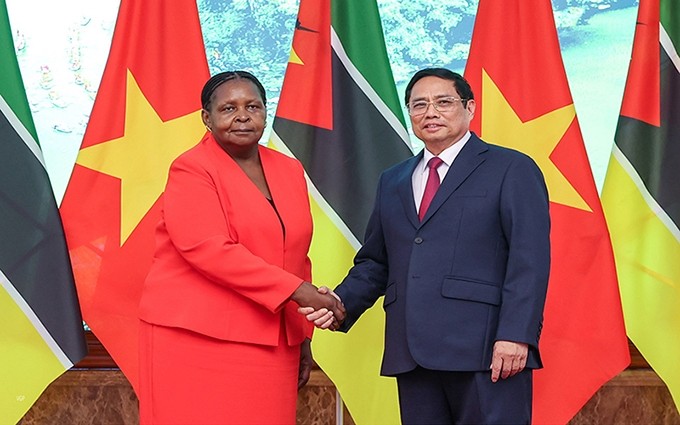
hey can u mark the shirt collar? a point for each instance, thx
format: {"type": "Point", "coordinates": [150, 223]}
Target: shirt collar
{"type": "Point", "coordinates": [448, 154]}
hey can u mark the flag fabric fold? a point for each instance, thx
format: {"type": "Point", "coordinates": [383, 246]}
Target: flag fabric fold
{"type": "Point", "coordinates": [41, 335]}
{"type": "Point", "coordinates": [641, 195]}
{"type": "Point", "coordinates": [523, 102]}
{"type": "Point", "coordinates": [339, 114]}
{"type": "Point", "coordinates": [147, 112]}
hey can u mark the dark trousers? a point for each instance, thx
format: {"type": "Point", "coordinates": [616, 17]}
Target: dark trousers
{"type": "Point", "coordinates": [431, 397]}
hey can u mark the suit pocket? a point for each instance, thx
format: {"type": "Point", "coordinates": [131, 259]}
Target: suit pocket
{"type": "Point", "coordinates": [390, 294]}
{"type": "Point", "coordinates": [470, 290]}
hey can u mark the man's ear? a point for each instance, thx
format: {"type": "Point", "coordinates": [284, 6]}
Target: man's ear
{"type": "Point", "coordinates": [471, 107]}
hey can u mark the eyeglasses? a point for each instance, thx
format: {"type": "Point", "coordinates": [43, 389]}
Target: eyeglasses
{"type": "Point", "coordinates": [445, 104]}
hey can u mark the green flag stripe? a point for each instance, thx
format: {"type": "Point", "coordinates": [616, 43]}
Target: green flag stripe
{"type": "Point", "coordinates": [11, 84]}
{"type": "Point", "coordinates": [359, 79]}
{"type": "Point", "coordinates": [669, 12]}
{"type": "Point", "coordinates": [35, 321]}
{"type": "Point", "coordinates": [646, 195]}
{"type": "Point", "coordinates": [21, 130]}
{"type": "Point", "coordinates": [351, 20]}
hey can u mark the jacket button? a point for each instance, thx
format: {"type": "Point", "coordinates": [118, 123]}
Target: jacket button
{"type": "Point", "coordinates": [418, 240]}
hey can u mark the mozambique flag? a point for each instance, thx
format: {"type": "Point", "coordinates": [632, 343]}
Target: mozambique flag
{"type": "Point", "coordinates": [641, 194]}
{"type": "Point", "coordinates": [523, 102]}
{"type": "Point", "coordinates": [339, 114]}
{"type": "Point", "coordinates": [41, 331]}
{"type": "Point", "coordinates": [146, 113]}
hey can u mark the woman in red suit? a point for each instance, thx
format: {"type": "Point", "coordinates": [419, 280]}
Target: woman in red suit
{"type": "Point", "coordinates": [221, 340]}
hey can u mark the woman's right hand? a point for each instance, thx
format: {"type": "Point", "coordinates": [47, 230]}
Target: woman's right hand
{"type": "Point", "coordinates": [308, 296]}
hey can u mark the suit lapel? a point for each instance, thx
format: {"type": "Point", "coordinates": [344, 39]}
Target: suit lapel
{"type": "Point", "coordinates": [405, 188]}
{"type": "Point", "coordinates": [276, 181]}
{"type": "Point", "coordinates": [465, 163]}
{"type": "Point", "coordinates": [261, 210]}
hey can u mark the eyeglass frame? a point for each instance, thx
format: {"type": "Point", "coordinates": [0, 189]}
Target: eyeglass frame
{"type": "Point", "coordinates": [434, 105]}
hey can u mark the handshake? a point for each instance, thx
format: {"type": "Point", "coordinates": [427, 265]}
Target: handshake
{"type": "Point", "coordinates": [320, 305]}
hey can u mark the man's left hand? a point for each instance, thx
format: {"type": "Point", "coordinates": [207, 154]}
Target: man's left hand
{"type": "Point", "coordinates": [509, 359]}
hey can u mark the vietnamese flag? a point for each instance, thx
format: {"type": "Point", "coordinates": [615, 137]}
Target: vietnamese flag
{"type": "Point", "coordinates": [146, 113]}
{"type": "Point", "coordinates": [523, 102]}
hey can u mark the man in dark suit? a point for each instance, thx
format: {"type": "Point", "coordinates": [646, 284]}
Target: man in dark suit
{"type": "Point", "coordinates": [465, 277]}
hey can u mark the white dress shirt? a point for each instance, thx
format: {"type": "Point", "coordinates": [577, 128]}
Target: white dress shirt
{"type": "Point", "coordinates": [420, 174]}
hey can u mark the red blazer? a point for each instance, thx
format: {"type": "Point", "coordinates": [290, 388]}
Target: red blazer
{"type": "Point", "coordinates": [223, 266]}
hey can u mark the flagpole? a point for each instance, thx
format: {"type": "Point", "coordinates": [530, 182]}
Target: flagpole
{"type": "Point", "coordinates": [339, 417]}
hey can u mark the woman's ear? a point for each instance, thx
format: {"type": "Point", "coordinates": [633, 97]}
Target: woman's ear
{"type": "Point", "coordinates": [205, 117]}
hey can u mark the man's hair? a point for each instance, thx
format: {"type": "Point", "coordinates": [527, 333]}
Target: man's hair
{"type": "Point", "coordinates": [460, 83]}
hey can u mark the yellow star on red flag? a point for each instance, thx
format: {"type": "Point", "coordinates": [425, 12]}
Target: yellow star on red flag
{"type": "Point", "coordinates": [537, 138]}
{"type": "Point", "coordinates": [141, 158]}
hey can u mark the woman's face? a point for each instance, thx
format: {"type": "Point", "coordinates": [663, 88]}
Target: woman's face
{"type": "Point", "coordinates": [237, 115]}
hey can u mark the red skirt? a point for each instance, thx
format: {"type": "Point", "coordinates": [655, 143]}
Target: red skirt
{"type": "Point", "coordinates": [189, 378]}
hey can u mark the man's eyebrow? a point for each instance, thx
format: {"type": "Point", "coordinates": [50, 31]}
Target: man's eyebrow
{"type": "Point", "coordinates": [437, 96]}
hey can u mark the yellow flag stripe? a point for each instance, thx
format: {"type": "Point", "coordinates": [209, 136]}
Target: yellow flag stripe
{"type": "Point", "coordinates": [352, 370]}
{"type": "Point", "coordinates": [332, 251]}
{"type": "Point", "coordinates": [18, 301]}
{"type": "Point", "coordinates": [635, 179]}
{"type": "Point", "coordinates": [646, 251]}
{"type": "Point", "coordinates": [32, 360]}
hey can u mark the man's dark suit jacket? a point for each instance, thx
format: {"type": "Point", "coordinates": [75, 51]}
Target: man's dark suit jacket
{"type": "Point", "coordinates": [474, 271]}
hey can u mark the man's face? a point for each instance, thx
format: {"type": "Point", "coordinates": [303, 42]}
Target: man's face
{"type": "Point", "coordinates": [440, 129]}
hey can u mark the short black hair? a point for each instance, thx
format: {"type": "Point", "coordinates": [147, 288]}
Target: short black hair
{"type": "Point", "coordinates": [218, 79]}
{"type": "Point", "coordinates": [462, 86]}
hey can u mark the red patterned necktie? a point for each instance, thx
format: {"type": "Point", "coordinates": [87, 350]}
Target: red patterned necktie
{"type": "Point", "coordinates": [431, 186]}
